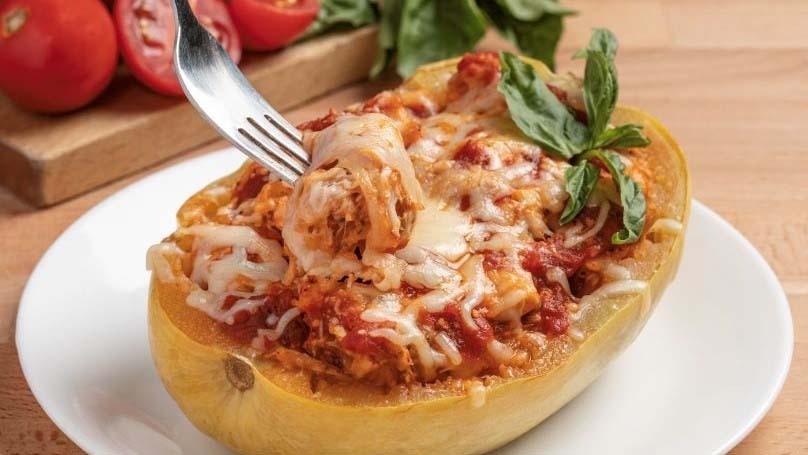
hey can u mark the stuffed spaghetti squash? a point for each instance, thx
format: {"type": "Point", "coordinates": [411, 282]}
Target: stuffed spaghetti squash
{"type": "Point", "coordinates": [441, 279]}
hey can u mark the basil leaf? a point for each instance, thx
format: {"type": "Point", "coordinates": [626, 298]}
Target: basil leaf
{"type": "Point", "coordinates": [388, 34]}
{"type": "Point", "coordinates": [579, 182]}
{"type": "Point", "coordinates": [602, 40]}
{"type": "Point", "coordinates": [435, 30]}
{"type": "Point", "coordinates": [600, 91]}
{"type": "Point", "coordinates": [537, 112]}
{"type": "Point", "coordinates": [535, 38]}
{"type": "Point", "coordinates": [621, 137]}
{"type": "Point", "coordinates": [531, 10]}
{"type": "Point", "coordinates": [631, 198]}
{"type": "Point", "coordinates": [334, 14]}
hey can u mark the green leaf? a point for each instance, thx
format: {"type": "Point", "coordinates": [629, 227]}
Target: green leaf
{"type": "Point", "coordinates": [602, 40]}
{"type": "Point", "coordinates": [532, 10]}
{"type": "Point", "coordinates": [631, 198]}
{"type": "Point", "coordinates": [535, 38]}
{"type": "Point", "coordinates": [537, 112]}
{"type": "Point", "coordinates": [621, 137]}
{"type": "Point", "coordinates": [579, 182]}
{"type": "Point", "coordinates": [388, 34]}
{"type": "Point", "coordinates": [600, 91]}
{"type": "Point", "coordinates": [335, 14]}
{"type": "Point", "coordinates": [435, 30]}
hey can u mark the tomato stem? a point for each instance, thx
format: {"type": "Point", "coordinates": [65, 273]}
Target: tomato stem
{"type": "Point", "coordinates": [13, 21]}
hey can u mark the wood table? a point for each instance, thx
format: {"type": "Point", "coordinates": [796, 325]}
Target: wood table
{"type": "Point", "coordinates": [728, 77]}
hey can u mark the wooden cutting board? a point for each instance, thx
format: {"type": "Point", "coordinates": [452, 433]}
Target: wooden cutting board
{"type": "Point", "coordinates": [46, 159]}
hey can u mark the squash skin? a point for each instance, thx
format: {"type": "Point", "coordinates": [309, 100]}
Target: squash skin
{"type": "Point", "coordinates": [255, 406]}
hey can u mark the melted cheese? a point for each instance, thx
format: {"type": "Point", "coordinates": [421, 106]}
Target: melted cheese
{"type": "Point", "coordinates": [387, 308]}
{"type": "Point", "coordinates": [157, 260]}
{"type": "Point", "coordinates": [384, 215]}
{"type": "Point", "coordinates": [476, 392]}
{"type": "Point", "coordinates": [217, 275]}
{"type": "Point", "coordinates": [211, 303]}
{"type": "Point", "coordinates": [556, 274]}
{"type": "Point", "coordinates": [606, 291]}
{"type": "Point", "coordinates": [449, 347]}
{"type": "Point", "coordinates": [360, 179]}
{"type": "Point", "coordinates": [476, 284]}
{"type": "Point", "coordinates": [442, 231]}
{"type": "Point", "coordinates": [667, 226]}
{"type": "Point", "coordinates": [573, 235]}
{"type": "Point", "coordinates": [275, 333]}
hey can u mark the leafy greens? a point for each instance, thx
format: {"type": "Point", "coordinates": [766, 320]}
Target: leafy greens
{"type": "Point", "coordinates": [544, 119]}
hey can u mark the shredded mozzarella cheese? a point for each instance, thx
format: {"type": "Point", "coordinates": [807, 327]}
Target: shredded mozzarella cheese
{"type": "Point", "coordinates": [556, 274]}
{"type": "Point", "coordinates": [288, 316]}
{"type": "Point", "coordinates": [157, 261]}
{"type": "Point", "coordinates": [666, 226]}
{"type": "Point", "coordinates": [449, 348]}
{"type": "Point", "coordinates": [406, 332]}
{"type": "Point", "coordinates": [475, 282]}
{"type": "Point", "coordinates": [573, 238]}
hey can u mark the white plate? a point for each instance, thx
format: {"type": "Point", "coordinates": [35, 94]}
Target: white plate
{"type": "Point", "coordinates": [697, 380]}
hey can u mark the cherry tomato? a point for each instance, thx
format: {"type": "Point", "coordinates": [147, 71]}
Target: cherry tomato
{"type": "Point", "coordinates": [271, 24]}
{"type": "Point", "coordinates": [146, 34]}
{"type": "Point", "coordinates": [55, 56]}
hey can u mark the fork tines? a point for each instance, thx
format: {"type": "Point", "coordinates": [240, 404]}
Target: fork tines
{"type": "Point", "coordinates": [280, 145]}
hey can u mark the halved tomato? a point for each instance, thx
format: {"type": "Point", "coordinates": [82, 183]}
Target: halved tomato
{"type": "Point", "coordinates": [146, 34]}
{"type": "Point", "coordinates": [271, 24]}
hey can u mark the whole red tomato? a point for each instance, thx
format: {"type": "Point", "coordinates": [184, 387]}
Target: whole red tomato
{"type": "Point", "coordinates": [146, 33]}
{"type": "Point", "coordinates": [55, 55]}
{"type": "Point", "coordinates": [271, 24]}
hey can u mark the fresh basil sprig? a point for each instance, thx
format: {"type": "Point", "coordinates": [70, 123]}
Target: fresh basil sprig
{"type": "Point", "coordinates": [544, 119]}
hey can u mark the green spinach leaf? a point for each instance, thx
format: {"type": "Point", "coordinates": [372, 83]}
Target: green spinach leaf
{"type": "Point", "coordinates": [436, 29]}
{"type": "Point", "coordinates": [537, 112]}
{"type": "Point", "coordinates": [579, 183]}
{"type": "Point", "coordinates": [531, 10]}
{"type": "Point", "coordinates": [538, 37]}
{"type": "Point", "coordinates": [335, 14]}
{"type": "Point", "coordinates": [389, 24]}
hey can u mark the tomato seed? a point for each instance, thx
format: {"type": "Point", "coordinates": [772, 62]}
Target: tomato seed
{"type": "Point", "coordinates": [14, 21]}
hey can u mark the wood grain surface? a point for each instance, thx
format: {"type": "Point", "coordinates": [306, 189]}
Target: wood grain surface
{"type": "Point", "coordinates": [45, 159]}
{"type": "Point", "coordinates": [730, 80]}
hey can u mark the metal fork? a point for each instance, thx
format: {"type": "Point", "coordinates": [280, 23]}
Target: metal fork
{"type": "Point", "coordinates": [223, 96]}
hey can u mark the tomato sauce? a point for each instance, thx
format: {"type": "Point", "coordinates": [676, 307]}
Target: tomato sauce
{"type": "Point", "coordinates": [250, 183]}
{"type": "Point", "coordinates": [473, 152]}
{"type": "Point", "coordinates": [471, 343]}
{"type": "Point", "coordinates": [321, 123]}
{"type": "Point", "coordinates": [277, 301]}
{"type": "Point", "coordinates": [475, 70]}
